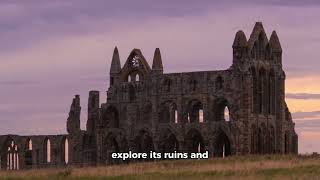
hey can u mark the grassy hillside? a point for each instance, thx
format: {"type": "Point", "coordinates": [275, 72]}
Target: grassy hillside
{"type": "Point", "coordinates": [248, 167]}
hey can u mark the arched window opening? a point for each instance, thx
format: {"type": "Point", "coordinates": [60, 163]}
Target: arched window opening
{"type": "Point", "coordinates": [129, 78]}
{"type": "Point", "coordinates": [12, 156]}
{"type": "Point", "coordinates": [137, 77]}
{"type": "Point", "coordinates": [222, 146]}
{"type": "Point", "coordinates": [143, 142]}
{"type": "Point", "coordinates": [173, 113]}
{"type": "Point", "coordinates": [175, 116]}
{"type": "Point", "coordinates": [201, 116]}
{"type": "Point", "coordinates": [221, 111]}
{"type": "Point", "coordinates": [47, 151]}
{"type": "Point", "coordinates": [219, 83]}
{"type": "Point", "coordinates": [164, 113]}
{"type": "Point", "coordinates": [194, 141]}
{"type": "Point", "coordinates": [28, 153]}
{"type": "Point", "coordinates": [66, 151]}
{"type": "Point", "coordinates": [195, 113]}
{"type": "Point", "coordinates": [226, 114]}
{"type": "Point", "coordinates": [168, 112]}
{"type": "Point", "coordinates": [30, 145]}
{"type": "Point", "coordinates": [168, 142]}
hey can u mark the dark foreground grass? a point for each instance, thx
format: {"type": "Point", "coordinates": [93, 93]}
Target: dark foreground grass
{"type": "Point", "coordinates": [245, 167]}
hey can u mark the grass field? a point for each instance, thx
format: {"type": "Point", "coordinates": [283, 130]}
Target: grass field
{"type": "Point", "coordinates": [245, 167]}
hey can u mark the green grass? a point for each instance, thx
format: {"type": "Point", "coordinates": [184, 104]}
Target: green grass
{"type": "Point", "coordinates": [242, 167]}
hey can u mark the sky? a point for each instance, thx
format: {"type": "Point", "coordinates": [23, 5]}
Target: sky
{"type": "Point", "coordinates": [52, 50]}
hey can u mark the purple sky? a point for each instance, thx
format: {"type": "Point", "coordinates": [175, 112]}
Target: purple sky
{"type": "Point", "coordinates": [52, 50]}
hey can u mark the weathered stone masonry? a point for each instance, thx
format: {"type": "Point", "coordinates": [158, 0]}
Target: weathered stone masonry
{"type": "Point", "coordinates": [240, 110]}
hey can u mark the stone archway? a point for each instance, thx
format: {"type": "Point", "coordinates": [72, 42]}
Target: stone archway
{"type": "Point", "coordinates": [64, 150]}
{"type": "Point", "coordinates": [222, 145]}
{"type": "Point", "coordinates": [168, 142]}
{"type": "Point", "coordinates": [143, 142]}
{"type": "Point", "coordinates": [194, 141]}
{"type": "Point", "coordinates": [10, 156]}
{"type": "Point", "coordinates": [195, 111]}
{"type": "Point", "coordinates": [168, 112]}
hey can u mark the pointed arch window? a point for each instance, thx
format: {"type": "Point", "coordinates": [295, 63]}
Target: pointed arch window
{"type": "Point", "coordinates": [226, 114]}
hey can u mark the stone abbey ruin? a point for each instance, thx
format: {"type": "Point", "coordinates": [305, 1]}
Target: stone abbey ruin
{"type": "Point", "coordinates": [237, 111]}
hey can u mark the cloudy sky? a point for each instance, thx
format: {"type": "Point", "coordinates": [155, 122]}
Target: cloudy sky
{"type": "Point", "coordinates": [52, 50]}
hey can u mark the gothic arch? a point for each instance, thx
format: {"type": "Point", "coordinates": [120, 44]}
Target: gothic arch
{"type": "Point", "coordinates": [219, 110]}
{"type": "Point", "coordinates": [64, 146]}
{"type": "Point", "coordinates": [143, 141]}
{"type": "Point", "coordinates": [195, 111]}
{"type": "Point", "coordinates": [10, 157]}
{"type": "Point", "coordinates": [222, 144]}
{"type": "Point", "coordinates": [168, 112]}
{"type": "Point", "coordinates": [135, 64]}
{"type": "Point", "coordinates": [194, 141]}
{"type": "Point", "coordinates": [47, 150]}
{"type": "Point", "coordinates": [133, 76]}
{"type": "Point", "coordinates": [168, 141]}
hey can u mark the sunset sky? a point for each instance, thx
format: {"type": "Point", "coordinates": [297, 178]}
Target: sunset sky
{"type": "Point", "coordinates": [52, 50]}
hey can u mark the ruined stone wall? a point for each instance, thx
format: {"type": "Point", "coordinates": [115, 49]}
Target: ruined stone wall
{"type": "Point", "coordinates": [240, 110]}
{"type": "Point", "coordinates": [18, 153]}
